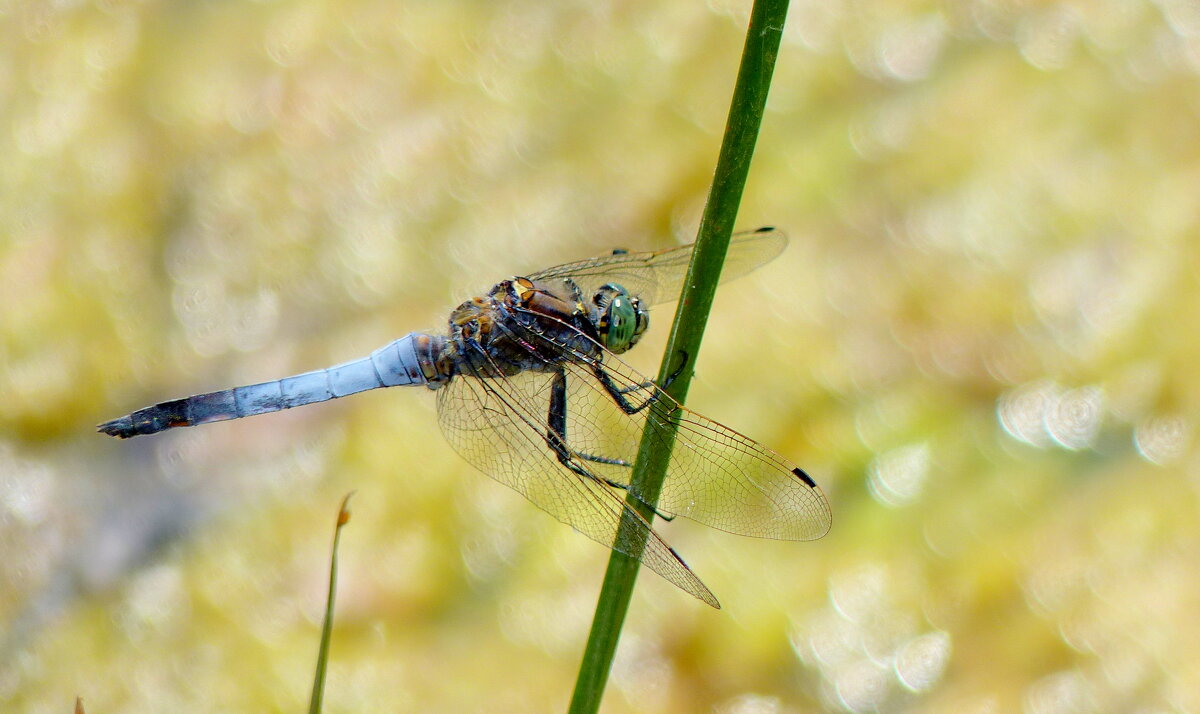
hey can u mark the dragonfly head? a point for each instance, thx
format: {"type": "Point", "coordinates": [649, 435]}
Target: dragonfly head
{"type": "Point", "coordinates": [621, 317]}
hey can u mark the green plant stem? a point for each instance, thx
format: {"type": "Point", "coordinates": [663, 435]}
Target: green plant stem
{"type": "Point", "coordinates": [318, 690]}
{"type": "Point", "coordinates": [716, 227]}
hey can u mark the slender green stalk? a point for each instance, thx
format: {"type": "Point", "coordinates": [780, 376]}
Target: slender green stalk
{"type": "Point", "coordinates": [318, 690]}
{"type": "Point", "coordinates": [716, 227]}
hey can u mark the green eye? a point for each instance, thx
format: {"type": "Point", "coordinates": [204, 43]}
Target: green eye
{"type": "Point", "coordinates": [620, 317]}
{"type": "Point", "coordinates": [622, 325]}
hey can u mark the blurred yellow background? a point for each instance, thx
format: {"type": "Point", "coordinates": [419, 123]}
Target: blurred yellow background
{"type": "Point", "coordinates": [982, 343]}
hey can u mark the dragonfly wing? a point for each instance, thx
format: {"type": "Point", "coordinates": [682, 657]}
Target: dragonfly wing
{"type": "Point", "coordinates": [499, 426]}
{"type": "Point", "coordinates": [658, 276]}
{"type": "Point", "coordinates": [715, 476]}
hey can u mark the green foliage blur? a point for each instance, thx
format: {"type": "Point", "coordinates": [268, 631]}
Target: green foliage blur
{"type": "Point", "coordinates": [982, 343]}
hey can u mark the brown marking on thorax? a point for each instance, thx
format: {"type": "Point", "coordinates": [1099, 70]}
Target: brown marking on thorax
{"type": "Point", "coordinates": [549, 299]}
{"type": "Point", "coordinates": [473, 318]}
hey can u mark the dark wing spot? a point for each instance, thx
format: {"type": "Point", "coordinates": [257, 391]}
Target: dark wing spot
{"type": "Point", "coordinates": [766, 229]}
{"type": "Point", "coordinates": [620, 251]}
{"type": "Point", "coordinates": [804, 477]}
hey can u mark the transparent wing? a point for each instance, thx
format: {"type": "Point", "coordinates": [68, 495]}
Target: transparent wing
{"type": "Point", "coordinates": [658, 276]}
{"type": "Point", "coordinates": [499, 426]}
{"type": "Point", "coordinates": [715, 476]}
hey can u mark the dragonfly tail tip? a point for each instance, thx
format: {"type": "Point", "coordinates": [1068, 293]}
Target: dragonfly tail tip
{"type": "Point", "coordinates": [121, 428]}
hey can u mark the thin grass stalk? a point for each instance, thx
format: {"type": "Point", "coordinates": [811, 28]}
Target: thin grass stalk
{"type": "Point", "coordinates": [318, 688]}
{"type": "Point", "coordinates": [716, 226]}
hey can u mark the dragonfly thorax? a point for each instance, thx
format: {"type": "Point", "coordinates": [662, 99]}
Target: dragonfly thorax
{"type": "Point", "coordinates": [621, 318]}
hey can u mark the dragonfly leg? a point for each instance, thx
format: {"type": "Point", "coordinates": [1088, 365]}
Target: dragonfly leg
{"type": "Point", "coordinates": [617, 484]}
{"type": "Point", "coordinates": [678, 370]}
{"type": "Point", "coordinates": [603, 460]}
{"type": "Point", "coordinates": [556, 426]}
{"type": "Point", "coordinates": [636, 387]}
{"type": "Point", "coordinates": [556, 439]}
{"type": "Point", "coordinates": [618, 393]}
{"type": "Point", "coordinates": [649, 383]}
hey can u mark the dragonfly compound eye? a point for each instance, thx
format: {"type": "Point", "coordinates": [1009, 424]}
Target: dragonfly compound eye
{"type": "Point", "coordinates": [622, 318]}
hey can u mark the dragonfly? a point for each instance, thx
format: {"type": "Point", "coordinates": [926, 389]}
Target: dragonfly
{"type": "Point", "coordinates": [530, 390]}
